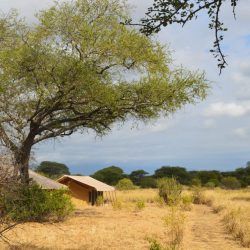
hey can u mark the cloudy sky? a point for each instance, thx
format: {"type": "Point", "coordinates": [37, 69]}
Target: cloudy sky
{"type": "Point", "coordinates": [214, 134]}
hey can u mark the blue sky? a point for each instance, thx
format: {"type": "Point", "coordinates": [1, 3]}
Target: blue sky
{"type": "Point", "coordinates": [213, 134]}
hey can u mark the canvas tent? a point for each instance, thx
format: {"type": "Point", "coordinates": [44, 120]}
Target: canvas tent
{"type": "Point", "coordinates": [87, 188]}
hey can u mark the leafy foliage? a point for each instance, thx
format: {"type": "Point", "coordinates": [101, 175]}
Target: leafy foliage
{"type": "Point", "coordinates": [53, 169]}
{"type": "Point", "coordinates": [167, 12]}
{"type": "Point", "coordinates": [68, 71]}
{"type": "Point", "coordinates": [110, 175]}
{"type": "Point", "coordinates": [137, 175]}
{"type": "Point", "coordinates": [31, 203]}
{"type": "Point", "coordinates": [177, 172]}
{"type": "Point", "coordinates": [125, 184]}
{"type": "Point", "coordinates": [170, 190]}
{"type": "Point", "coordinates": [230, 182]}
{"type": "Point", "coordinates": [148, 182]}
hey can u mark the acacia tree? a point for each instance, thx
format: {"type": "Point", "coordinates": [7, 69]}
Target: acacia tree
{"type": "Point", "coordinates": [78, 68]}
{"type": "Point", "coordinates": [167, 12]}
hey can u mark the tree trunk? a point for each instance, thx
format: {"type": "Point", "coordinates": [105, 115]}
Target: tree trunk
{"type": "Point", "coordinates": [22, 163]}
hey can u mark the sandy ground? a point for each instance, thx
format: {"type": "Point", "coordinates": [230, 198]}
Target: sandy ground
{"type": "Point", "coordinates": [205, 231]}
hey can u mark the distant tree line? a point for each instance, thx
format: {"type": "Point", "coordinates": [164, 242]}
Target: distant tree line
{"type": "Point", "coordinates": [240, 177]}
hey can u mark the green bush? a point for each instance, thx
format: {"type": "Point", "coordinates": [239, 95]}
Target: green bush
{"type": "Point", "coordinates": [125, 184]}
{"type": "Point", "coordinates": [230, 182]}
{"type": "Point", "coordinates": [210, 184]}
{"type": "Point", "coordinates": [32, 203]}
{"type": "Point", "coordinates": [140, 204]}
{"type": "Point", "coordinates": [99, 201]}
{"type": "Point", "coordinates": [170, 190]}
{"type": "Point", "coordinates": [196, 182]}
{"type": "Point", "coordinates": [148, 182]}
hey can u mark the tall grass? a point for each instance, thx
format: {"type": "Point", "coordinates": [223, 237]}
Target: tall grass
{"type": "Point", "coordinates": [234, 207]}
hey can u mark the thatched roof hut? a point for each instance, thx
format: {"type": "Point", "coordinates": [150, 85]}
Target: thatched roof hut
{"type": "Point", "coordinates": [45, 182]}
{"type": "Point", "coordinates": [7, 169]}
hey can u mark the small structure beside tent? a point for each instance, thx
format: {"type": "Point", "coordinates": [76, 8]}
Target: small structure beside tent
{"type": "Point", "coordinates": [87, 189]}
{"type": "Point", "coordinates": [45, 182]}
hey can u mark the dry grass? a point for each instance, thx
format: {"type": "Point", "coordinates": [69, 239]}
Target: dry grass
{"type": "Point", "coordinates": [124, 226]}
{"type": "Point", "coordinates": [234, 207]}
{"type": "Point", "coordinates": [99, 227]}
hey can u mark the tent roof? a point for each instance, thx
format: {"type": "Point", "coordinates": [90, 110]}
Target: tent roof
{"type": "Point", "coordinates": [42, 181]}
{"type": "Point", "coordinates": [89, 181]}
{"type": "Point", "coordinates": [45, 182]}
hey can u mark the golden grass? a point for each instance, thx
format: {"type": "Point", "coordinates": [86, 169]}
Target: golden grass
{"type": "Point", "coordinates": [98, 227]}
{"type": "Point", "coordinates": [130, 225]}
{"type": "Point", "coordinates": [234, 207]}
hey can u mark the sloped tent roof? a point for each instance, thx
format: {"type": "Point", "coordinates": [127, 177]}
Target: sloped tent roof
{"type": "Point", "coordinates": [45, 182]}
{"type": "Point", "coordinates": [89, 181]}
{"type": "Point", "coordinates": [42, 181]}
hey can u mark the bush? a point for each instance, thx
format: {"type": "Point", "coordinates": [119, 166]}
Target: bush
{"type": "Point", "coordinates": [196, 182]}
{"type": "Point", "coordinates": [210, 184]}
{"type": "Point", "coordinates": [139, 205]}
{"type": "Point", "coordinates": [148, 182]}
{"type": "Point", "coordinates": [230, 182]}
{"type": "Point", "coordinates": [187, 201]}
{"type": "Point", "coordinates": [170, 190]}
{"type": "Point", "coordinates": [125, 184]}
{"type": "Point", "coordinates": [99, 201]}
{"type": "Point", "coordinates": [32, 203]}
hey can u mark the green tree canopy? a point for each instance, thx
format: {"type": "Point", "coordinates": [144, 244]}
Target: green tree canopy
{"type": "Point", "coordinates": [230, 182]}
{"type": "Point", "coordinates": [148, 182]}
{"type": "Point", "coordinates": [125, 184]}
{"type": "Point", "coordinates": [77, 69]}
{"type": "Point", "coordinates": [53, 169]}
{"type": "Point", "coordinates": [110, 175]}
{"type": "Point", "coordinates": [179, 173]}
{"type": "Point", "coordinates": [137, 175]}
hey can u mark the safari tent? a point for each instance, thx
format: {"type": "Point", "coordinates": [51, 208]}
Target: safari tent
{"type": "Point", "coordinates": [87, 189]}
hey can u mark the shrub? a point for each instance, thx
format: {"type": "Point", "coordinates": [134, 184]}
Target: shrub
{"type": "Point", "coordinates": [99, 201]}
{"type": "Point", "coordinates": [154, 245]}
{"type": "Point", "coordinates": [198, 196]}
{"type": "Point", "coordinates": [230, 182]}
{"type": "Point", "coordinates": [210, 184]}
{"type": "Point", "coordinates": [175, 224]}
{"type": "Point", "coordinates": [196, 182]}
{"type": "Point", "coordinates": [125, 184]}
{"type": "Point", "coordinates": [187, 201]}
{"type": "Point", "coordinates": [32, 203]}
{"type": "Point", "coordinates": [140, 204]}
{"type": "Point", "coordinates": [159, 201]}
{"type": "Point", "coordinates": [148, 182]}
{"type": "Point", "coordinates": [170, 190]}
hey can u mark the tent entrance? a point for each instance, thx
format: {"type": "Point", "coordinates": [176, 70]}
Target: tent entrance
{"type": "Point", "coordinates": [93, 196]}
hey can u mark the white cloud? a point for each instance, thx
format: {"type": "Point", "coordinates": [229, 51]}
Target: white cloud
{"type": "Point", "coordinates": [226, 109]}
{"type": "Point", "coordinates": [241, 132]}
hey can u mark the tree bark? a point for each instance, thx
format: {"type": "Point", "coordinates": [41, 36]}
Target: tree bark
{"type": "Point", "coordinates": [22, 163]}
{"type": "Point", "coordinates": [22, 157]}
